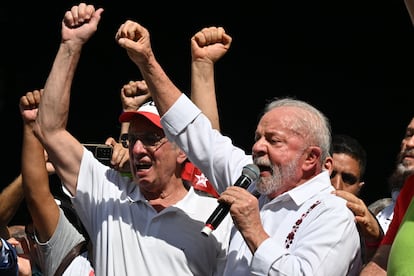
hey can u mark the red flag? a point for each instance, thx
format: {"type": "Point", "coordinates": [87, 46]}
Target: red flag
{"type": "Point", "coordinates": [198, 179]}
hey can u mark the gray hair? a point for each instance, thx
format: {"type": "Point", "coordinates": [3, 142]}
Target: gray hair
{"type": "Point", "coordinates": [313, 125]}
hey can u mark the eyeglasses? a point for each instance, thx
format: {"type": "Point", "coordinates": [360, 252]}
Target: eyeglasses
{"type": "Point", "coordinates": [347, 178]}
{"type": "Point", "coordinates": [150, 141]}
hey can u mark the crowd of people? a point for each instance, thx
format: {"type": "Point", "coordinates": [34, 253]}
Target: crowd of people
{"type": "Point", "coordinates": [171, 167]}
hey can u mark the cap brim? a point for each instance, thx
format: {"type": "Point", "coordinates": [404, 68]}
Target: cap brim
{"type": "Point", "coordinates": [130, 115]}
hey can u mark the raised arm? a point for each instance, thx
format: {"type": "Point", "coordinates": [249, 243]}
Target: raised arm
{"type": "Point", "coordinates": [40, 201]}
{"type": "Point", "coordinates": [133, 95]}
{"type": "Point", "coordinates": [136, 40]}
{"type": "Point", "coordinates": [207, 47]}
{"type": "Point", "coordinates": [65, 152]}
{"type": "Point", "coordinates": [10, 199]}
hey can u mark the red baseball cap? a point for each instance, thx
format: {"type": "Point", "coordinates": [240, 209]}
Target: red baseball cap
{"type": "Point", "coordinates": [147, 111]}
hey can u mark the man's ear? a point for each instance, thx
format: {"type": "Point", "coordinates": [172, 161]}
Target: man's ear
{"type": "Point", "coordinates": [328, 165]}
{"type": "Point", "coordinates": [360, 185]}
{"type": "Point", "coordinates": [313, 154]}
{"type": "Point", "coordinates": [182, 157]}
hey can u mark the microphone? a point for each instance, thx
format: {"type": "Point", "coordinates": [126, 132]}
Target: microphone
{"type": "Point", "coordinates": [250, 174]}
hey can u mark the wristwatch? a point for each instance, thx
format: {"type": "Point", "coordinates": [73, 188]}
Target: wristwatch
{"type": "Point", "coordinates": [123, 139]}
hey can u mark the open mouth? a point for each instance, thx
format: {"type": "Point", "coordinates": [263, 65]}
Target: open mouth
{"type": "Point", "coordinates": [143, 166]}
{"type": "Point", "coordinates": [265, 169]}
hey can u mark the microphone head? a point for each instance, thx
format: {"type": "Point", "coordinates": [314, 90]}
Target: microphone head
{"type": "Point", "coordinates": [251, 171]}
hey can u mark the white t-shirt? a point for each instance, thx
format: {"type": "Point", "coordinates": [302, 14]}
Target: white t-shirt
{"type": "Point", "coordinates": [131, 238]}
{"type": "Point", "coordinates": [65, 237]}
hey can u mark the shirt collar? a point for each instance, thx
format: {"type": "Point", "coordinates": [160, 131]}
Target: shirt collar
{"type": "Point", "coordinates": [135, 195]}
{"type": "Point", "coordinates": [310, 188]}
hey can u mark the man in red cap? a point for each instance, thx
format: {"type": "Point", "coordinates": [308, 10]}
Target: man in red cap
{"type": "Point", "coordinates": [147, 225]}
{"type": "Point", "coordinates": [133, 95]}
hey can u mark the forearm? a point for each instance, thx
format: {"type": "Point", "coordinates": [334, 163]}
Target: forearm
{"type": "Point", "coordinates": [124, 130]}
{"type": "Point", "coordinates": [163, 90]}
{"type": "Point", "coordinates": [10, 200]}
{"type": "Point", "coordinates": [56, 96]}
{"type": "Point", "coordinates": [40, 201]}
{"type": "Point", "coordinates": [65, 152]}
{"type": "Point", "coordinates": [378, 263]}
{"type": "Point", "coordinates": [203, 92]}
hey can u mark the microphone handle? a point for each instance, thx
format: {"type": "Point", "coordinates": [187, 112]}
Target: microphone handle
{"type": "Point", "coordinates": [215, 218]}
{"type": "Point", "coordinates": [243, 182]}
{"type": "Point", "coordinates": [223, 208]}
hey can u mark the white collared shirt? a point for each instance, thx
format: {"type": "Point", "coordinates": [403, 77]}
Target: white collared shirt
{"type": "Point", "coordinates": [131, 238]}
{"type": "Point", "coordinates": [312, 232]}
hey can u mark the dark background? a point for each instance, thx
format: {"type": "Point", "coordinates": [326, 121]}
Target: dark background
{"type": "Point", "coordinates": [351, 59]}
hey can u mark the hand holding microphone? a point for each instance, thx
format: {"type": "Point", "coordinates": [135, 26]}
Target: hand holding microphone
{"type": "Point", "coordinates": [250, 174]}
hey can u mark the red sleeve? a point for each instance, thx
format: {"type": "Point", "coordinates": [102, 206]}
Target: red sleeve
{"type": "Point", "coordinates": [401, 205]}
